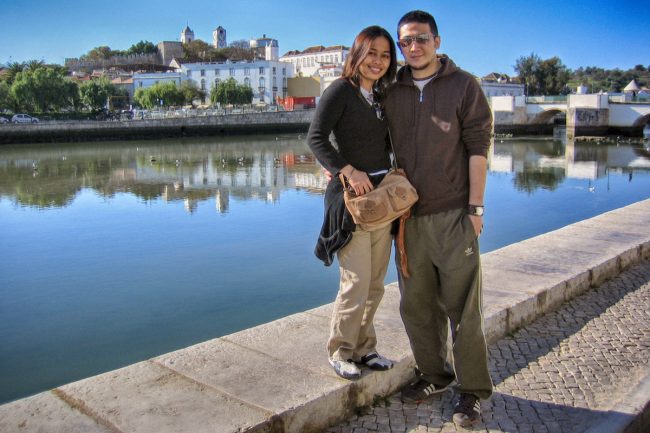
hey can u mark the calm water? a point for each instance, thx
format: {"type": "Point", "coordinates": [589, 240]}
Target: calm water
{"type": "Point", "coordinates": [112, 253]}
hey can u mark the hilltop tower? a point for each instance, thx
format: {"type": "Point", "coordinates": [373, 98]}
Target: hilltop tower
{"type": "Point", "coordinates": [187, 35]}
{"type": "Point", "coordinates": [219, 38]}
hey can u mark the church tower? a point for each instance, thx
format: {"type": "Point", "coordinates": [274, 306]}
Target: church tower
{"type": "Point", "coordinates": [219, 38]}
{"type": "Point", "coordinates": [187, 35]}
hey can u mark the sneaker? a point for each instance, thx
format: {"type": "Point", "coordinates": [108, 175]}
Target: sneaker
{"type": "Point", "coordinates": [376, 362]}
{"type": "Point", "coordinates": [346, 369]}
{"type": "Point", "coordinates": [420, 390]}
{"type": "Point", "coordinates": [467, 411]}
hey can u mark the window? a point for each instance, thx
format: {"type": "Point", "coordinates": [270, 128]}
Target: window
{"type": "Point", "coordinates": [217, 72]}
{"type": "Point", "coordinates": [189, 73]}
{"type": "Point", "coordinates": [203, 72]}
{"type": "Point", "coordinates": [247, 71]}
{"type": "Point", "coordinates": [274, 70]}
{"type": "Point", "coordinates": [202, 84]}
{"type": "Point", "coordinates": [216, 82]}
{"type": "Point", "coordinates": [284, 71]}
{"type": "Point", "coordinates": [140, 84]}
{"type": "Point", "coordinates": [261, 70]}
{"type": "Point", "coordinates": [232, 72]}
{"type": "Point", "coordinates": [247, 82]}
{"type": "Point", "coordinates": [275, 84]}
{"type": "Point", "coordinates": [262, 83]}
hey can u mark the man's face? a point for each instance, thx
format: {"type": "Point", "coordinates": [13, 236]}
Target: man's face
{"type": "Point", "coordinates": [420, 54]}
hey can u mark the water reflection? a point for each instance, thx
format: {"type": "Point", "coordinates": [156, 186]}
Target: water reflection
{"type": "Point", "coordinates": [51, 176]}
{"type": "Point", "coordinates": [545, 164]}
{"type": "Point", "coordinates": [45, 177]}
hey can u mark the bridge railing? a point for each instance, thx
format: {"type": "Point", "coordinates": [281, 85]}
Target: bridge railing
{"type": "Point", "coordinates": [626, 99]}
{"type": "Point", "coordinates": [546, 99]}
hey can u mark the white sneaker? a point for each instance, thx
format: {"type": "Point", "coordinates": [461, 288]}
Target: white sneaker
{"type": "Point", "coordinates": [346, 369]}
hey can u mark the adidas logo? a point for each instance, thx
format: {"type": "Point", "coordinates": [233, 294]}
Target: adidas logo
{"type": "Point", "coordinates": [469, 251]}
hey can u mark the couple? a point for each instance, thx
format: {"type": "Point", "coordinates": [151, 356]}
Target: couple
{"type": "Point", "coordinates": [440, 124]}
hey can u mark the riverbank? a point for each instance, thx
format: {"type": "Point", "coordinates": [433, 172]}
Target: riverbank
{"type": "Point", "coordinates": [275, 377]}
{"type": "Point", "coordinates": [229, 124]}
{"type": "Point", "coordinates": [90, 130]}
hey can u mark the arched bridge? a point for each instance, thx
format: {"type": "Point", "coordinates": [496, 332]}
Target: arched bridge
{"type": "Point", "coordinates": [585, 114]}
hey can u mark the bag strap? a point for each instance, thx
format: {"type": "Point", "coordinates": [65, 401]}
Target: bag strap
{"type": "Point", "coordinates": [399, 240]}
{"type": "Point", "coordinates": [390, 140]}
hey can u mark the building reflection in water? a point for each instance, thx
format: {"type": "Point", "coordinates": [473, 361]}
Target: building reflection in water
{"type": "Point", "coordinates": [261, 169]}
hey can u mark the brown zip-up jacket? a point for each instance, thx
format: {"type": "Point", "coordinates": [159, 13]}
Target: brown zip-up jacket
{"type": "Point", "coordinates": [435, 132]}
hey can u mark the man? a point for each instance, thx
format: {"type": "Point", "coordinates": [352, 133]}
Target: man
{"type": "Point", "coordinates": [440, 123]}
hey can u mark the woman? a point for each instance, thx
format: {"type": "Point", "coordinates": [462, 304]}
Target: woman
{"type": "Point", "coordinates": [350, 109]}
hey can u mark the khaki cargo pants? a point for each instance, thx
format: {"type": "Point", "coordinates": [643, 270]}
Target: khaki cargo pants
{"type": "Point", "coordinates": [442, 293]}
{"type": "Point", "coordinates": [362, 264]}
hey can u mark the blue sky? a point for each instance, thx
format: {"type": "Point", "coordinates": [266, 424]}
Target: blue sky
{"type": "Point", "coordinates": [480, 36]}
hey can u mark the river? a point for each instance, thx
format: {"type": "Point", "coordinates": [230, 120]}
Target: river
{"type": "Point", "coordinates": [114, 252]}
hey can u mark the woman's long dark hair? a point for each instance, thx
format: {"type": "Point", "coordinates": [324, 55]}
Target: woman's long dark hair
{"type": "Point", "coordinates": [359, 51]}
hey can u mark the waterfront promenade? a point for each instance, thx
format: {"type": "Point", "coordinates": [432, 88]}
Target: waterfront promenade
{"type": "Point", "coordinates": [275, 377]}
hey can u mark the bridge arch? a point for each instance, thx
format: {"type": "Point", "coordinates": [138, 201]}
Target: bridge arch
{"type": "Point", "coordinates": [546, 116]}
{"type": "Point", "coordinates": [641, 121]}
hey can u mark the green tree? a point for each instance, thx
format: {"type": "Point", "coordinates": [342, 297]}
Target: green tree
{"type": "Point", "coordinates": [43, 89]}
{"type": "Point", "coordinates": [6, 101]}
{"type": "Point", "coordinates": [13, 68]}
{"type": "Point", "coordinates": [229, 92]}
{"type": "Point", "coordinates": [161, 94]}
{"type": "Point", "coordinates": [99, 53]}
{"type": "Point", "coordinates": [553, 77]}
{"type": "Point", "coordinates": [95, 93]}
{"type": "Point", "coordinates": [144, 98]}
{"type": "Point", "coordinates": [197, 50]}
{"type": "Point", "coordinates": [191, 92]}
{"type": "Point", "coordinates": [142, 47]}
{"type": "Point", "coordinates": [543, 77]}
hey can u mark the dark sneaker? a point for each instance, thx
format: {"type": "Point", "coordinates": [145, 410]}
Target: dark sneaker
{"type": "Point", "coordinates": [377, 362]}
{"type": "Point", "coordinates": [420, 390]}
{"type": "Point", "coordinates": [467, 411]}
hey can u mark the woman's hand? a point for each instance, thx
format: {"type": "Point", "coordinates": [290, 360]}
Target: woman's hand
{"type": "Point", "coordinates": [477, 223]}
{"type": "Point", "coordinates": [357, 179]}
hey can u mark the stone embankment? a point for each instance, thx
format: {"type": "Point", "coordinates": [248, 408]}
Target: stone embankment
{"type": "Point", "coordinates": [89, 130]}
{"type": "Point", "coordinates": [276, 378]}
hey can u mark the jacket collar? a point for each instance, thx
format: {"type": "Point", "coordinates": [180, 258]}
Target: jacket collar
{"type": "Point", "coordinates": [447, 67]}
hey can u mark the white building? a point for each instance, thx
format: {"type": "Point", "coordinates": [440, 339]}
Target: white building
{"type": "Point", "coordinates": [144, 80]}
{"type": "Point", "coordinates": [496, 84]}
{"type": "Point", "coordinates": [266, 48]}
{"type": "Point", "coordinates": [187, 35]}
{"type": "Point", "coordinates": [267, 78]}
{"type": "Point", "coordinates": [308, 62]}
{"type": "Point", "coordinates": [219, 38]}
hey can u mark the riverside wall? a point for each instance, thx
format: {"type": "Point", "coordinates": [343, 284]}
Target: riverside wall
{"type": "Point", "coordinates": [231, 124]}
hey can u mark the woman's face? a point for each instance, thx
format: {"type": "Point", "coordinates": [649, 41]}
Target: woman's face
{"type": "Point", "coordinates": [376, 62]}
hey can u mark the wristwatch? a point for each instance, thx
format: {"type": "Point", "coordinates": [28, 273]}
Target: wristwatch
{"type": "Point", "coordinates": [475, 210]}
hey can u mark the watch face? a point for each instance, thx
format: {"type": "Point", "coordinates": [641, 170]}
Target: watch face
{"type": "Point", "coordinates": [478, 210]}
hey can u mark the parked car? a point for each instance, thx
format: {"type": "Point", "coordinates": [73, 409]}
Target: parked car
{"type": "Point", "coordinates": [24, 118]}
{"type": "Point", "coordinates": [4, 120]}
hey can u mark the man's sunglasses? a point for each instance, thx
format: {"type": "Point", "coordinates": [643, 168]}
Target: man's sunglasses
{"type": "Point", "coordinates": [422, 39]}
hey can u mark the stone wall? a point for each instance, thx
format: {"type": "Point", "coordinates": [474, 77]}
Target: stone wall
{"type": "Point", "coordinates": [247, 123]}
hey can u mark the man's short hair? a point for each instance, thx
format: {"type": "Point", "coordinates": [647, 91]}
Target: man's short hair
{"type": "Point", "coordinates": [418, 16]}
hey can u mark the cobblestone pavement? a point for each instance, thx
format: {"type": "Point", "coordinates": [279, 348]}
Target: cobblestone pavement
{"type": "Point", "coordinates": [556, 375]}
